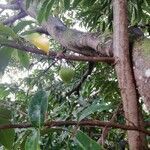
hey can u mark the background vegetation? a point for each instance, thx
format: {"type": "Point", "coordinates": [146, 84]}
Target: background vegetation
{"type": "Point", "coordinates": [92, 94]}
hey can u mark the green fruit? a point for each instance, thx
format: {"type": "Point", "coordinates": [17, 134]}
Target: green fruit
{"type": "Point", "coordinates": [66, 74]}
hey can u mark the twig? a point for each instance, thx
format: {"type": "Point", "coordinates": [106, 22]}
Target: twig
{"type": "Point", "coordinates": [46, 69]}
{"type": "Point", "coordinates": [84, 77]}
{"type": "Point", "coordinates": [93, 123]}
{"type": "Point", "coordinates": [41, 74]}
{"type": "Point", "coordinates": [105, 131]}
{"type": "Point", "coordinates": [35, 63]}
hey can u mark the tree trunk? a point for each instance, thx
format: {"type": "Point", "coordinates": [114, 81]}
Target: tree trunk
{"type": "Point", "coordinates": [125, 73]}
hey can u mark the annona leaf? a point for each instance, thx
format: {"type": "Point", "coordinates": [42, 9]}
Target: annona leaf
{"type": "Point", "coordinates": [66, 4]}
{"type": "Point", "coordinates": [5, 56]}
{"type": "Point", "coordinates": [24, 59]}
{"type": "Point", "coordinates": [21, 140]}
{"type": "Point", "coordinates": [6, 136]}
{"type": "Point", "coordinates": [42, 11]}
{"type": "Point", "coordinates": [48, 8]}
{"type": "Point", "coordinates": [7, 31]}
{"type": "Point", "coordinates": [86, 143]}
{"type": "Point", "coordinates": [3, 92]}
{"type": "Point", "coordinates": [5, 113]}
{"type": "Point", "coordinates": [91, 109]}
{"type": "Point", "coordinates": [37, 108]}
{"type": "Point", "coordinates": [21, 25]}
{"type": "Point", "coordinates": [90, 3]}
{"type": "Point", "coordinates": [76, 2]}
{"type": "Point", "coordinates": [28, 2]}
{"type": "Point", "coordinates": [32, 142]}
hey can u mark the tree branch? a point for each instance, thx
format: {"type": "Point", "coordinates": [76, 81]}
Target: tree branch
{"type": "Point", "coordinates": [57, 55]}
{"type": "Point", "coordinates": [84, 77]}
{"type": "Point", "coordinates": [94, 123]}
{"type": "Point", "coordinates": [9, 6]}
{"type": "Point", "coordinates": [105, 131]}
{"type": "Point", "coordinates": [12, 19]}
{"type": "Point", "coordinates": [90, 44]}
{"type": "Point", "coordinates": [41, 30]}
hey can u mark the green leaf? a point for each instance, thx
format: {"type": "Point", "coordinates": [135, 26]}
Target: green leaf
{"type": "Point", "coordinates": [89, 4]}
{"type": "Point", "coordinates": [37, 108]}
{"type": "Point", "coordinates": [66, 4]}
{"type": "Point", "coordinates": [86, 143]}
{"type": "Point", "coordinates": [48, 8]}
{"type": "Point", "coordinates": [41, 13]}
{"type": "Point", "coordinates": [5, 113]}
{"type": "Point", "coordinates": [7, 31]}
{"type": "Point", "coordinates": [28, 2]}
{"type": "Point", "coordinates": [5, 56]}
{"type": "Point", "coordinates": [3, 92]}
{"type": "Point", "coordinates": [24, 59]}
{"type": "Point", "coordinates": [21, 140]}
{"type": "Point", "coordinates": [32, 142]}
{"type": "Point", "coordinates": [21, 25]}
{"type": "Point", "coordinates": [6, 136]}
{"type": "Point", "coordinates": [76, 2]}
{"type": "Point", "coordinates": [91, 109]}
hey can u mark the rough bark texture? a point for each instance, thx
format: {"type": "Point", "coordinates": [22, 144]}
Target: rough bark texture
{"type": "Point", "coordinates": [141, 66]}
{"type": "Point", "coordinates": [124, 72]}
{"type": "Point", "coordinates": [89, 44]}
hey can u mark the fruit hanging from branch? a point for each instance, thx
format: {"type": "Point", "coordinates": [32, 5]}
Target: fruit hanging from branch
{"type": "Point", "coordinates": [39, 41]}
{"type": "Point", "coordinates": [66, 74]}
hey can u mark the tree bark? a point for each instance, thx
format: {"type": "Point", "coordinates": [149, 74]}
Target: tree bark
{"type": "Point", "coordinates": [89, 44]}
{"type": "Point", "coordinates": [125, 73]}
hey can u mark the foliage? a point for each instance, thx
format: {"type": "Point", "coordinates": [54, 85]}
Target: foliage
{"type": "Point", "coordinates": [89, 14]}
{"type": "Point", "coordinates": [98, 97]}
{"type": "Point", "coordinates": [37, 108]}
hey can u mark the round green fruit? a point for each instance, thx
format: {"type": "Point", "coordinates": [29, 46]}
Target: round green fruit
{"type": "Point", "coordinates": [66, 74]}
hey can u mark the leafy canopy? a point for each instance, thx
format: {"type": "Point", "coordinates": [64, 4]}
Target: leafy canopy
{"type": "Point", "coordinates": [40, 86]}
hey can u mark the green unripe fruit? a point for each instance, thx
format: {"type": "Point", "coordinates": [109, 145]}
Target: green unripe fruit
{"type": "Point", "coordinates": [66, 74]}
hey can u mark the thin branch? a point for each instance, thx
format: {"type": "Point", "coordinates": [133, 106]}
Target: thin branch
{"type": "Point", "coordinates": [84, 77]}
{"type": "Point", "coordinates": [43, 72]}
{"type": "Point", "coordinates": [90, 44]}
{"type": "Point", "coordinates": [12, 19]}
{"type": "Point", "coordinates": [41, 30]}
{"type": "Point", "coordinates": [82, 58]}
{"type": "Point", "coordinates": [37, 79]}
{"type": "Point", "coordinates": [93, 123]}
{"type": "Point", "coordinates": [10, 6]}
{"type": "Point", "coordinates": [57, 55]}
{"type": "Point", "coordinates": [2, 10]}
{"type": "Point", "coordinates": [105, 131]}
